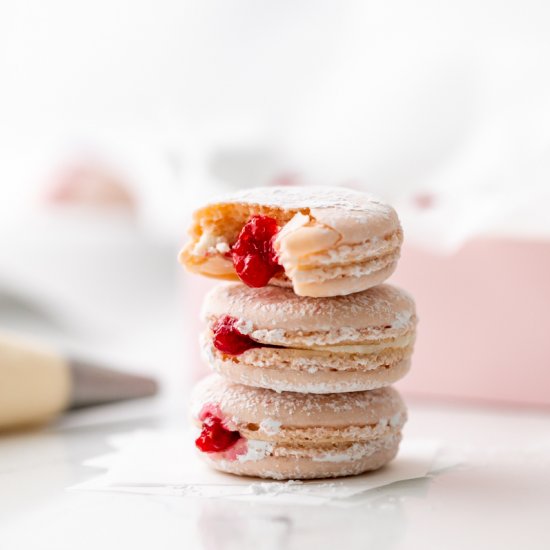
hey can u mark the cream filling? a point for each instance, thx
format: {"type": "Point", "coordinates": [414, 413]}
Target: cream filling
{"type": "Point", "coordinates": [358, 252]}
{"type": "Point", "coordinates": [402, 325]}
{"type": "Point", "coordinates": [356, 451]}
{"type": "Point", "coordinates": [365, 348]}
{"type": "Point", "coordinates": [351, 268]}
{"type": "Point", "coordinates": [270, 426]}
{"type": "Point", "coordinates": [360, 349]}
{"type": "Point", "coordinates": [255, 450]}
{"type": "Point", "coordinates": [208, 256]}
{"type": "Point", "coordinates": [401, 342]}
{"type": "Point", "coordinates": [210, 244]}
{"type": "Point", "coordinates": [302, 236]}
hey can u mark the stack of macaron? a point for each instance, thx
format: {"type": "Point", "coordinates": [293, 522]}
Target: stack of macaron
{"type": "Point", "coordinates": [306, 345]}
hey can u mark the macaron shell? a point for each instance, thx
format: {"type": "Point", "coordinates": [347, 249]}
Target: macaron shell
{"type": "Point", "coordinates": [383, 307]}
{"type": "Point", "coordinates": [355, 215]}
{"type": "Point", "coordinates": [350, 282]}
{"type": "Point", "coordinates": [282, 468]}
{"type": "Point", "coordinates": [245, 404]}
{"type": "Point", "coordinates": [319, 382]}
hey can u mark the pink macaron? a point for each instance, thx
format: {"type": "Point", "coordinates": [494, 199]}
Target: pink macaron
{"type": "Point", "coordinates": [258, 432]}
{"type": "Point", "coordinates": [271, 338]}
{"type": "Point", "coordinates": [319, 241]}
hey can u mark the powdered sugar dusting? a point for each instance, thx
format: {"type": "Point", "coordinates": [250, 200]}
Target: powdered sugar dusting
{"type": "Point", "coordinates": [302, 198]}
{"type": "Point", "coordinates": [377, 309]}
{"type": "Point", "coordinates": [248, 404]}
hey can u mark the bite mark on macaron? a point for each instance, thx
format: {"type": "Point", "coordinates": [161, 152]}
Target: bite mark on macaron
{"type": "Point", "coordinates": [321, 241]}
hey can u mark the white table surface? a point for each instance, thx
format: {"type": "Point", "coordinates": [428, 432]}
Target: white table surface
{"type": "Point", "coordinates": [499, 498]}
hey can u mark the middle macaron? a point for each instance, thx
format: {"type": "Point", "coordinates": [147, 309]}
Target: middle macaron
{"type": "Point", "coordinates": [271, 338]}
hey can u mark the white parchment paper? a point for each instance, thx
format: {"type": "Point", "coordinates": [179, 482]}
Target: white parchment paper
{"type": "Point", "coordinates": [165, 463]}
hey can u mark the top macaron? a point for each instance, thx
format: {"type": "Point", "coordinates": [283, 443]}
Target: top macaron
{"type": "Point", "coordinates": [320, 241]}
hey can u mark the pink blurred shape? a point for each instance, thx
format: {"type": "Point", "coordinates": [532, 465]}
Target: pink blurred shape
{"type": "Point", "coordinates": [90, 185]}
{"type": "Point", "coordinates": [484, 329]}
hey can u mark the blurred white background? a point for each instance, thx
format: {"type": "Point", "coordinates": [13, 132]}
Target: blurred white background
{"type": "Point", "coordinates": [401, 97]}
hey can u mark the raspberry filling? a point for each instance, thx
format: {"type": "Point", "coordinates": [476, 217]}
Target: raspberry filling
{"type": "Point", "coordinates": [253, 255]}
{"type": "Point", "coordinates": [228, 339]}
{"type": "Point", "coordinates": [214, 437]}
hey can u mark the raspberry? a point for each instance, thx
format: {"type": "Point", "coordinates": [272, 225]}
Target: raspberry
{"type": "Point", "coordinates": [228, 339]}
{"type": "Point", "coordinates": [214, 438]}
{"type": "Point", "coordinates": [253, 255]}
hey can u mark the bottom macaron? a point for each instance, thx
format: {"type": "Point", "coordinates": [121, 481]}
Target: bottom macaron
{"type": "Point", "coordinates": [258, 432]}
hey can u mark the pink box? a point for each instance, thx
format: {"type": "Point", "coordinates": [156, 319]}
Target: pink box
{"type": "Point", "coordinates": [484, 330]}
